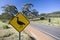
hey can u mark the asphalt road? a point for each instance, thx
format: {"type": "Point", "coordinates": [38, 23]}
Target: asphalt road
{"type": "Point", "coordinates": [53, 31]}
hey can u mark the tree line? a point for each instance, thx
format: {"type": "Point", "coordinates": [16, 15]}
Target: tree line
{"type": "Point", "coordinates": [11, 10]}
{"type": "Point", "coordinates": [27, 10]}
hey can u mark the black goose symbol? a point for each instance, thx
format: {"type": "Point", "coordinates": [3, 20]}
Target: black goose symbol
{"type": "Point", "coordinates": [19, 22]}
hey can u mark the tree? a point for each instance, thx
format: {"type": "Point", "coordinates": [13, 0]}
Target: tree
{"type": "Point", "coordinates": [10, 9]}
{"type": "Point", "coordinates": [5, 16]}
{"type": "Point", "coordinates": [34, 12]}
{"type": "Point", "coordinates": [26, 9]}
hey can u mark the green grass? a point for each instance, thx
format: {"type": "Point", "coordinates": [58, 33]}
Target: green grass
{"type": "Point", "coordinates": [54, 21]}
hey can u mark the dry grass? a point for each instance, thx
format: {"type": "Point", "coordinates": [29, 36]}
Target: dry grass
{"type": "Point", "coordinates": [11, 33]}
{"type": "Point", "coordinates": [54, 22]}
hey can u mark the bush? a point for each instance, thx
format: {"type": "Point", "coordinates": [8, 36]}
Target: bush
{"type": "Point", "coordinates": [42, 18]}
{"type": "Point", "coordinates": [3, 20]}
{"type": "Point", "coordinates": [5, 27]}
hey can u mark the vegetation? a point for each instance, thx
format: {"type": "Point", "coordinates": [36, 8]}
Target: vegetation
{"type": "Point", "coordinates": [28, 12]}
{"type": "Point", "coordinates": [42, 18]}
{"type": "Point", "coordinates": [5, 16]}
{"type": "Point", "coordinates": [9, 12]}
{"type": "Point", "coordinates": [54, 22]}
{"type": "Point", "coordinates": [7, 33]}
{"type": "Point", "coordinates": [10, 9]}
{"type": "Point", "coordinates": [53, 14]}
{"type": "Point", "coordinates": [5, 27]}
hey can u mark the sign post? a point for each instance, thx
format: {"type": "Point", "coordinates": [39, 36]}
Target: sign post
{"type": "Point", "coordinates": [19, 22]}
{"type": "Point", "coordinates": [19, 36]}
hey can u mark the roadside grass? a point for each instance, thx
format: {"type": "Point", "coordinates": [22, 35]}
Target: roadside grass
{"type": "Point", "coordinates": [54, 21]}
{"type": "Point", "coordinates": [7, 33]}
{"type": "Point", "coordinates": [3, 25]}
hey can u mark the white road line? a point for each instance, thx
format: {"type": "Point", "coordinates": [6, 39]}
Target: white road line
{"type": "Point", "coordinates": [50, 35]}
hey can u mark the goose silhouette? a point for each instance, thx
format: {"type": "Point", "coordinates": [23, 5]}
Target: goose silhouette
{"type": "Point", "coordinates": [19, 22]}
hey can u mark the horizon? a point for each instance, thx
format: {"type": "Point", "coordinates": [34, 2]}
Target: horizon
{"type": "Point", "coordinates": [43, 6]}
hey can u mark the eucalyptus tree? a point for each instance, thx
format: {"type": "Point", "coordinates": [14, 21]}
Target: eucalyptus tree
{"type": "Point", "coordinates": [10, 9]}
{"type": "Point", "coordinates": [35, 12]}
{"type": "Point", "coordinates": [26, 9]}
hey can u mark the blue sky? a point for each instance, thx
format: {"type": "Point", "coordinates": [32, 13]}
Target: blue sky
{"type": "Point", "coordinates": [42, 6]}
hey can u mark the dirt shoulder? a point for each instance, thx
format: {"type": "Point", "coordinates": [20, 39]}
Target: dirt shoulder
{"type": "Point", "coordinates": [37, 34]}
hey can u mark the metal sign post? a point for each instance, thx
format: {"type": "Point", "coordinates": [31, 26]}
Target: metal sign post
{"type": "Point", "coordinates": [19, 35]}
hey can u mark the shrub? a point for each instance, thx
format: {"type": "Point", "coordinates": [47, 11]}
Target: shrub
{"type": "Point", "coordinates": [3, 20]}
{"type": "Point", "coordinates": [5, 27]}
{"type": "Point", "coordinates": [42, 18]}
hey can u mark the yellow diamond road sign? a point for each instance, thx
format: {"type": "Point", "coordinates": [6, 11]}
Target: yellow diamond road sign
{"type": "Point", "coordinates": [19, 22]}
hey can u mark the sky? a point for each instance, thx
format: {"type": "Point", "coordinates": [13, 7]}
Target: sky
{"type": "Point", "coordinates": [42, 6]}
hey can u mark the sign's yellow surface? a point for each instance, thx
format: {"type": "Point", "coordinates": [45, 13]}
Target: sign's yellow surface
{"type": "Point", "coordinates": [19, 22]}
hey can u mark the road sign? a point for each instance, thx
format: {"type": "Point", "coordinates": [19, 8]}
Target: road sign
{"type": "Point", "coordinates": [19, 22]}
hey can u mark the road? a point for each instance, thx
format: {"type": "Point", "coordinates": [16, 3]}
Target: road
{"type": "Point", "coordinates": [53, 31]}
{"type": "Point", "coordinates": [37, 35]}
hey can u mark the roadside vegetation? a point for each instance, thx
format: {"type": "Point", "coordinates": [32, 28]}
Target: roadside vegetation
{"type": "Point", "coordinates": [6, 31]}
{"type": "Point", "coordinates": [9, 33]}
{"type": "Point", "coordinates": [43, 18]}
{"type": "Point", "coordinates": [54, 22]}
